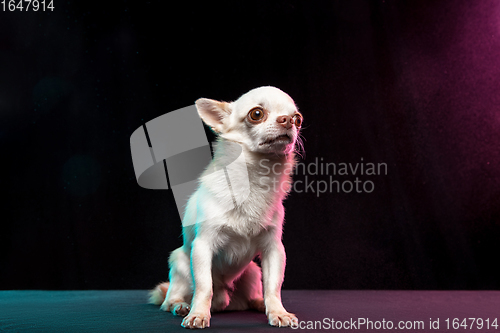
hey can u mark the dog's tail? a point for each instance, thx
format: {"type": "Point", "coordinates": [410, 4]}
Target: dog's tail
{"type": "Point", "coordinates": [157, 295]}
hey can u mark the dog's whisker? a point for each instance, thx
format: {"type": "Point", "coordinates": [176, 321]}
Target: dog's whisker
{"type": "Point", "coordinates": [299, 146]}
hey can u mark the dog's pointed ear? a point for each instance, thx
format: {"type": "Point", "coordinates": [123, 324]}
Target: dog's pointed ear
{"type": "Point", "coordinates": [213, 113]}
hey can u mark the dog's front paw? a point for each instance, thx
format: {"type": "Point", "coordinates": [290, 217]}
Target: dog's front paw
{"type": "Point", "coordinates": [282, 319]}
{"type": "Point", "coordinates": [196, 320]}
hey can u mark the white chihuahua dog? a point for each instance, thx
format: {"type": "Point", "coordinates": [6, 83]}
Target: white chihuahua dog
{"type": "Point", "coordinates": [214, 269]}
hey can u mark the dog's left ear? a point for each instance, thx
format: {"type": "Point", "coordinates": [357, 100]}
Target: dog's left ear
{"type": "Point", "coordinates": [213, 112]}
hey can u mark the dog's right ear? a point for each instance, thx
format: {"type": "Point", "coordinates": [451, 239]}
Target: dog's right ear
{"type": "Point", "coordinates": [213, 112]}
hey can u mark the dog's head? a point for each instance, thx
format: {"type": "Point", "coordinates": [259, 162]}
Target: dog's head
{"type": "Point", "coordinates": [264, 119]}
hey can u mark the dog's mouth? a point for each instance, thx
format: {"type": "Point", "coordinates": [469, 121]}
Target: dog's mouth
{"type": "Point", "coordinates": [283, 139]}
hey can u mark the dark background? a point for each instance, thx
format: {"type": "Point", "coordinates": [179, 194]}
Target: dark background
{"type": "Point", "coordinates": [414, 84]}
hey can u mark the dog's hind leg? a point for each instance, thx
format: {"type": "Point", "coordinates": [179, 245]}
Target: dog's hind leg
{"type": "Point", "coordinates": [180, 291]}
{"type": "Point", "coordinates": [248, 290]}
{"type": "Point", "coordinates": [220, 297]}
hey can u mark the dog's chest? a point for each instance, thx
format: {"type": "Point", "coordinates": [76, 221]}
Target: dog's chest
{"type": "Point", "coordinates": [236, 250]}
{"type": "Point", "coordinates": [257, 212]}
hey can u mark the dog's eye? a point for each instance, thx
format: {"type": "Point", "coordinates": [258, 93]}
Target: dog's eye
{"type": "Point", "coordinates": [256, 114]}
{"type": "Point", "coordinates": [297, 118]}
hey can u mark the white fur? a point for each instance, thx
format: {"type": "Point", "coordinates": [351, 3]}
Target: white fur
{"type": "Point", "coordinates": [213, 270]}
